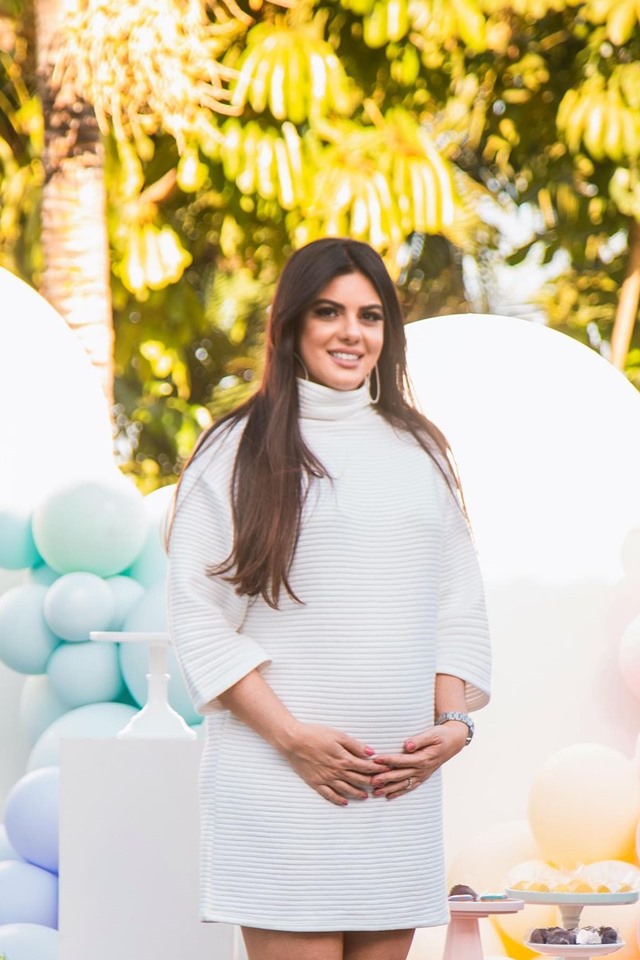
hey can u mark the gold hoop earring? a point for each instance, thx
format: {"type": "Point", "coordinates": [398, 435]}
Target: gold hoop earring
{"type": "Point", "coordinates": [304, 369]}
{"type": "Point", "coordinates": [374, 399]}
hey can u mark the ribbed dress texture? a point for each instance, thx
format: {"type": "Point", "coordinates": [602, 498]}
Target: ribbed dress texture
{"type": "Point", "coordinates": [392, 594]}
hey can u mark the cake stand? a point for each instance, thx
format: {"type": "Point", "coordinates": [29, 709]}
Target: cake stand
{"type": "Point", "coordinates": [571, 905]}
{"type": "Point", "coordinates": [157, 719]}
{"type": "Point", "coordinates": [463, 934]}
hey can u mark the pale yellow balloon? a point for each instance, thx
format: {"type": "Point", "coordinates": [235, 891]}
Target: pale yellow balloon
{"type": "Point", "coordinates": [514, 928]}
{"type": "Point", "coordinates": [584, 804]}
{"type": "Point", "coordinates": [624, 918]}
{"type": "Point", "coordinates": [485, 861]}
{"type": "Point", "coordinates": [492, 942]}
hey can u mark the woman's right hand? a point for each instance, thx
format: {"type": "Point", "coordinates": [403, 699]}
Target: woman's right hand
{"type": "Point", "coordinates": [335, 765]}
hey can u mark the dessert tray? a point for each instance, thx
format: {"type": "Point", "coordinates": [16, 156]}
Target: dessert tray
{"type": "Point", "coordinates": [566, 951]}
{"type": "Point", "coordinates": [571, 905]}
{"type": "Point", "coordinates": [574, 899]}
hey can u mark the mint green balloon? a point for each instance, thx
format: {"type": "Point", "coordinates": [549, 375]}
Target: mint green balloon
{"type": "Point", "coordinates": [95, 526]}
{"type": "Point", "coordinates": [17, 548]}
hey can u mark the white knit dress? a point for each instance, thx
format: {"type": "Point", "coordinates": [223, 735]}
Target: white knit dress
{"type": "Point", "coordinates": [392, 595]}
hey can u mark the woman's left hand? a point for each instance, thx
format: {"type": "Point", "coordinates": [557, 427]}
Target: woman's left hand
{"type": "Point", "coordinates": [421, 756]}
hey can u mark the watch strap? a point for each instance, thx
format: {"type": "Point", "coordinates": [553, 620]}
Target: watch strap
{"type": "Point", "coordinates": [462, 717]}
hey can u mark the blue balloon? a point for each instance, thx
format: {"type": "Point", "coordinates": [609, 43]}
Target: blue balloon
{"type": "Point", "coordinates": [28, 894]}
{"type": "Point", "coordinates": [31, 817]}
{"type": "Point", "coordinates": [39, 706]}
{"type": "Point", "coordinates": [26, 640]}
{"type": "Point", "coordinates": [17, 548]}
{"type": "Point", "coordinates": [29, 941]}
{"type": "Point", "coordinates": [82, 673]}
{"type": "Point", "coordinates": [126, 593]}
{"type": "Point", "coordinates": [149, 615]}
{"type": "Point", "coordinates": [6, 850]}
{"type": "Point", "coordinates": [150, 566]}
{"type": "Point", "coordinates": [95, 526]}
{"type": "Point", "coordinates": [97, 721]}
{"type": "Point", "coordinates": [78, 603]}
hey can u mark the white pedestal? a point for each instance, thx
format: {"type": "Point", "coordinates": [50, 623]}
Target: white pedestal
{"type": "Point", "coordinates": [129, 838]}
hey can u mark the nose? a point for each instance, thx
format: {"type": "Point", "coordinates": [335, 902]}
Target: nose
{"type": "Point", "coordinates": [350, 328]}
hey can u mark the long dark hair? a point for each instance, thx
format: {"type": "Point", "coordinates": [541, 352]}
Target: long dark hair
{"type": "Point", "coordinates": [273, 462]}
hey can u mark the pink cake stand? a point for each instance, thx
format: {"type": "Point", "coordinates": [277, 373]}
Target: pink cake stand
{"type": "Point", "coordinates": [463, 936]}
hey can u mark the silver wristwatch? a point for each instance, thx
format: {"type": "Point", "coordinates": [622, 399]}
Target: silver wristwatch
{"type": "Point", "coordinates": [463, 717]}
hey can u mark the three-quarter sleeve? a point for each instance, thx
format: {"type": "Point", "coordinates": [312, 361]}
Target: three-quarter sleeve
{"type": "Point", "coordinates": [206, 613]}
{"type": "Point", "coordinates": [463, 645]}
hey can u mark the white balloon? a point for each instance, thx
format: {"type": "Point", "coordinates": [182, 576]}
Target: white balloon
{"type": "Point", "coordinates": [55, 419]}
{"type": "Point", "coordinates": [540, 426]}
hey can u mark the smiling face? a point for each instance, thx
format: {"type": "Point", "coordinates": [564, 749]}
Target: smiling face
{"type": "Point", "coordinates": [342, 332]}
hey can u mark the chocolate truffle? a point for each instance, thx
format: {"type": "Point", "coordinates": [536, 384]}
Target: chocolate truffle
{"type": "Point", "coordinates": [588, 935]}
{"type": "Point", "coordinates": [460, 890]}
{"type": "Point", "coordinates": [608, 934]}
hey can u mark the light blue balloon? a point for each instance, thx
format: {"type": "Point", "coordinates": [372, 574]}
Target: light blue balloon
{"type": "Point", "coordinates": [78, 603]}
{"type": "Point", "coordinates": [126, 593]}
{"type": "Point", "coordinates": [149, 615]}
{"type": "Point", "coordinates": [6, 850]}
{"type": "Point", "coordinates": [97, 721]}
{"type": "Point", "coordinates": [29, 941]}
{"type": "Point", "coordinates": [17, 547]}
{"type": "Point", "coordinates": [39, 706]}
{"type": "Point", "coordinates": [26, 640]}
{"type": "Point", "coordinates": [93, 526]}
{"type": "Point", "coordinates": [31, 817]}
{"type": "Point", "coordinates": [150, 566]}
{"type": "Point", "coordinates": [82, 673]}
{"type": "Point", "coordinates": [28, 894]}
{"type": "Point", "coordinates": [43, 575]}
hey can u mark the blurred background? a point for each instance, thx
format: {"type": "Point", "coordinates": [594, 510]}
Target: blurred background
{"type": "Point", "coordinates": [159, 161]}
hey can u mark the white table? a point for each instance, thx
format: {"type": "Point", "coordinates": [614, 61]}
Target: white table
{"type": "Point", "coordinates": [129, 848]}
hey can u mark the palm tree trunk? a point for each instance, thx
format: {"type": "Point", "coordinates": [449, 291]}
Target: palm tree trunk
{"type": "Point", "coordinates": [627, 311]}
{"type": "Point", "coordinates": [76, 274]}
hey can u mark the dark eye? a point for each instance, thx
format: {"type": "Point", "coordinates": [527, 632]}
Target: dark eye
{"type": "Point", "coordinates": [373, 315]}
{"type": "Point", "coordinates": [325, 311]}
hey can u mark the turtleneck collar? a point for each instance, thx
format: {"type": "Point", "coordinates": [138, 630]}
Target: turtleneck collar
{"type": "Point", "coordinates": [317, 402]}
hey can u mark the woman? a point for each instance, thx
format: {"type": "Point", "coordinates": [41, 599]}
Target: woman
{"type": "Point", "coordinates": [328, 615]}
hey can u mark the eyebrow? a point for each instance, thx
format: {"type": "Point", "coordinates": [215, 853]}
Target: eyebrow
{"type": "Point", "coordinates": [336, 303]}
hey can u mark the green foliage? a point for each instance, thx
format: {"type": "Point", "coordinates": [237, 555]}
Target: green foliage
{"type": "Point", "coordinates": [251, 128]}
{"type": "Point", "coordinates": [21, 173]}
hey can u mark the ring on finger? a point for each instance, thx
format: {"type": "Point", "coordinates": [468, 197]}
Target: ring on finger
{"type": "Point", "coordinates": [409, 783]}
